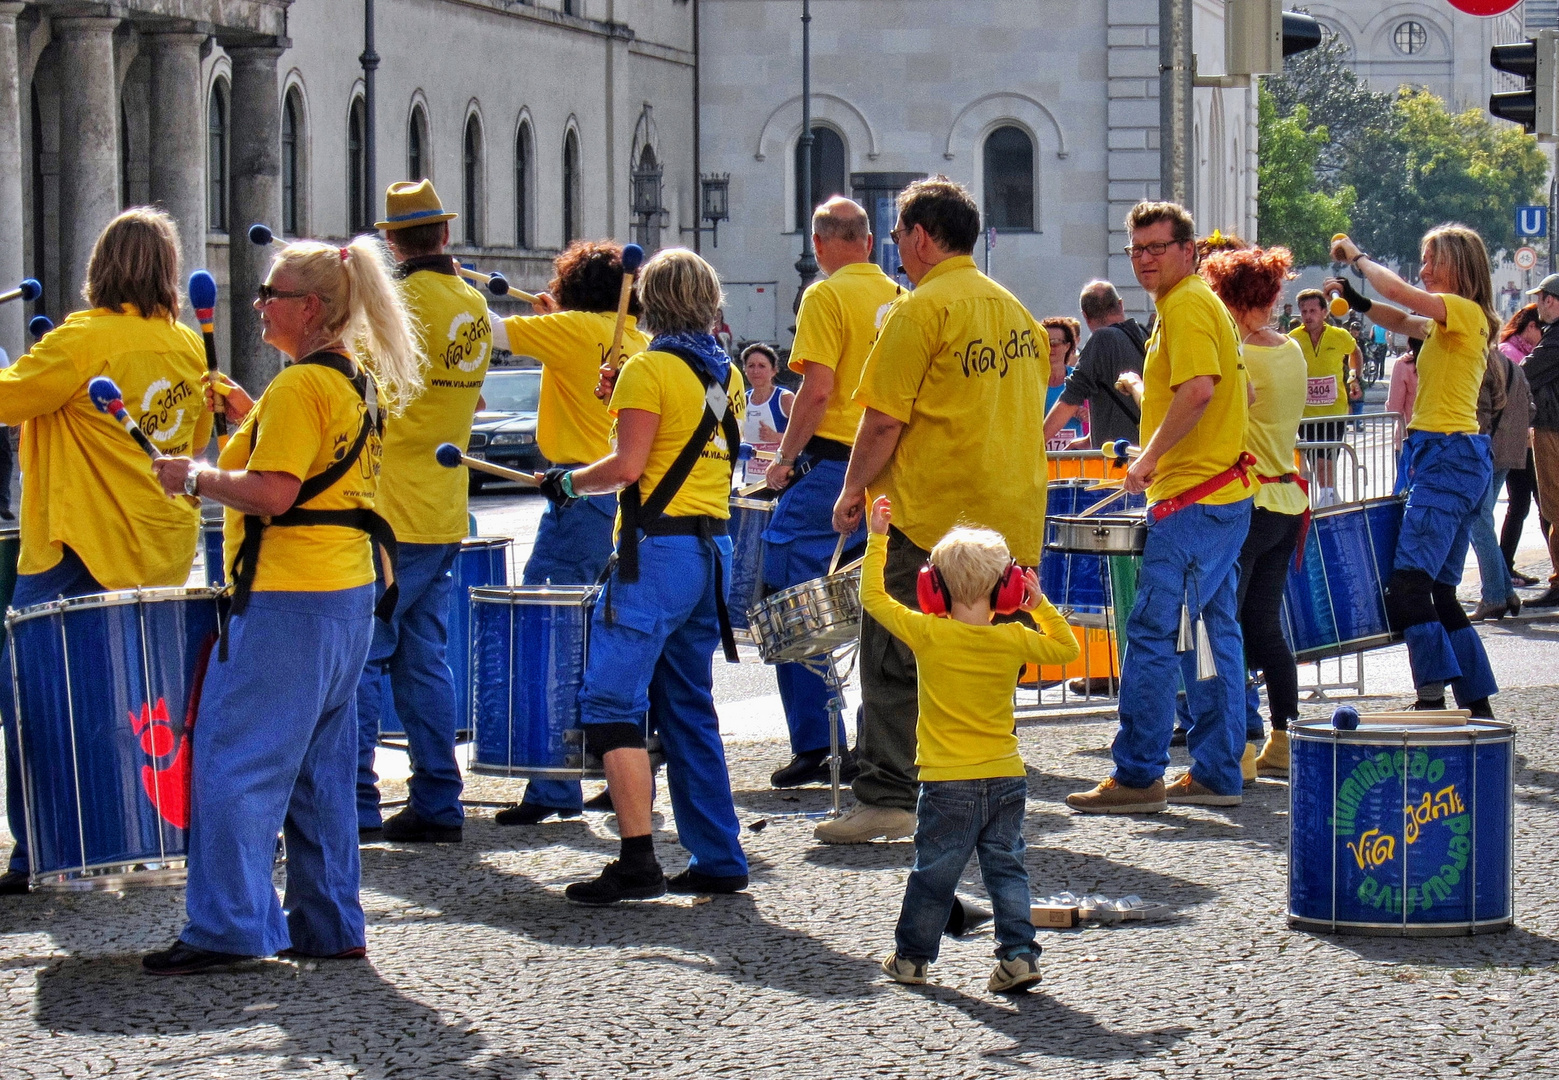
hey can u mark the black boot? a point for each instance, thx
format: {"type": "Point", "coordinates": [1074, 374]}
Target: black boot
{"type": "Point", "coordinates": [619, 881]}
{"type": "Point", "coordinates": [182, 959]}
{"type": "Point", "coordinates": [532, 814]}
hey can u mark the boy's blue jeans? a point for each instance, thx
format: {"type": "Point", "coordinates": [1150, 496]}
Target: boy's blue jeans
{"type": "Point", "coordinates": [953, 820]}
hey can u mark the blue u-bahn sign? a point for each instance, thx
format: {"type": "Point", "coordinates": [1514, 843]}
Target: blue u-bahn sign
{"type": "Point", "coordinates": [1531, 221]}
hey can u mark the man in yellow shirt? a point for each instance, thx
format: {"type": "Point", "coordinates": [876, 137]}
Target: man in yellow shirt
{"type": "Point", "coordinates": [1333, 363]}
{"type": "Point", "coordinates": [835, 328]}
{"type": "Point", "coordinates": [571, 334]}
{"type": "Point", "coordinates": [425, 504]}
{"type": "Point", "coordinates": [1193, 467]}
{"type": "Point", "coordinates": [954, 407]}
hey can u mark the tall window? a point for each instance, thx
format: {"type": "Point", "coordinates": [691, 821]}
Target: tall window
{"type": "Point", "coordinates": [124, 157]}
{"type": "Point", "coordinates": [472, 233]}
{"type": "Point", "coordinates": [1009, 180]}
{"type": "Point", "coordinates": [356, 170]}
{"type": "Point", "coordinates": [572, 227]}
{"type": "Point", "coordinates": [828, 173]}
{"type": "Point", "coordinates": [524, 168]}
{"type": "Point", "coordinates": [216, 158]}
{"type": "Point", "coordinates": [291, 166]}
{"type": "Point", "coordinates": [417, 145]}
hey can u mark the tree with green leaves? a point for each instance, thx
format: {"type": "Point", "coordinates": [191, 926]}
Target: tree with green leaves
{"type": "Point", "coordinates": [1290, 208]}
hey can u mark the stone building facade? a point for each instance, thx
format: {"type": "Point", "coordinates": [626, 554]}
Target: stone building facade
{"type": "Point", "coordinates": [1047, 109]}
{"type": "Point", "coordinates": [530, 118]}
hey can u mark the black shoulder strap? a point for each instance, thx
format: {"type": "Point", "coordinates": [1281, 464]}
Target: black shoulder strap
{"type": "Point", "coordinates": [637, 514]}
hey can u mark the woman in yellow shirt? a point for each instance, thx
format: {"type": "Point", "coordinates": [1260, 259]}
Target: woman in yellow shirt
{"type": "Point", "coordinates": [1446, 464]}
{"type": "Point", "coordinates": [275, 737]}
{"type": "Point", "coordinates": [92, 516]}
{"type": "Point", "coordinates": [1250, 283]}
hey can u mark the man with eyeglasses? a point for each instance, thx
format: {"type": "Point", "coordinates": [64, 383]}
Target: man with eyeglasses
{"type": "Point", "coordinates": [1193, 467]}
{"type": "Point", "coordinates": [954, 400]}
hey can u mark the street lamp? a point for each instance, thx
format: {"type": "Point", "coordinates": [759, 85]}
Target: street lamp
{"type": "Point", "coordinates": [714, 204]}
{"type": "Point", "coordinates": [646, 199]}
{"type": "Point", "coordinates": [806, 266]}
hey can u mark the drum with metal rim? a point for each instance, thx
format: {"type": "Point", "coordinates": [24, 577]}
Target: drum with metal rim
{"type": "Point", "coordinates": [1101, 534]}
{"type": "Point", "coordinates": [749, 518]}
{"type": "Point", "coordinates": [1335, 603]}
{"type": "Point", "coordinates": [106, 691]}
{"type": "Point", "coordinates": [809, 619]}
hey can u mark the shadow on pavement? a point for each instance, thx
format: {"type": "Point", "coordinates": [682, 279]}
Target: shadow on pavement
{"type": "Point", "coordinates": [1515, 948]}
{"type": "Point", "coordinates": [112, 996]}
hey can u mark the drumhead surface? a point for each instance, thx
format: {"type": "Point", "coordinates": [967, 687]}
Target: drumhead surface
{"type": "Point", "coordinates": [110, 599]}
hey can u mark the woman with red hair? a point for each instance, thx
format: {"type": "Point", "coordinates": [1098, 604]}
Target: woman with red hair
{"type": "Point", "coordinates": [1250, 283]}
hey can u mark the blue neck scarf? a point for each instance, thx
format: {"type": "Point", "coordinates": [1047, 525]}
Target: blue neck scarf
{"type": "Point", "coordinates": [701, 347]}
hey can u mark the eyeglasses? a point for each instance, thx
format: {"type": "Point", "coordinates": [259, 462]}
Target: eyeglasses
{"type": "Point", "coordinates": [265, 294]}
{"type": "Point", "coordinates": [895, 232]}
{"type": "Point", "coordinates": [1137, 251]}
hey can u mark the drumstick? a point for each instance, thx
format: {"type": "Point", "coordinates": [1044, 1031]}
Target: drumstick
{"type": "Point", "coordinates": [449, 455]}
{"type": "Point", "coordinates": [259, 235]}
{"type": "Point", "coordinates": [29, 290]}
{"type": "Point", "coordinates": [496, 284]}
{"type": "Point", "coordinates": [1101, 504]}
{"type": "Point", "coordinates": [833, 564]}
{"type": "Point", "coordinates": [633, 257]}
{"type": "Point", "coordinates": [39, 325]}
{"type": "Point", "coordinates": [203, 297]}
{"type": "Point", "coordinates": [105, 395]}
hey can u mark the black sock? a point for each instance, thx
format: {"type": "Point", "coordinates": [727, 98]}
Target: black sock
{"type": "Point", "coordinates": [638, 850]}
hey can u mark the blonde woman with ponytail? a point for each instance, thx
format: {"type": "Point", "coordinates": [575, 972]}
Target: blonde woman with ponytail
{"type": "Point", "coordinates": [276, 733]}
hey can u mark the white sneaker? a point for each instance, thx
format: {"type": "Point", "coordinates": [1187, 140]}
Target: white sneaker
{"type": "Point", "coordinates": [862, 824]}
{"type": "Point", "coordinates": [1017, 974]}
{"type": "Point", "coordinates": [908, 972]}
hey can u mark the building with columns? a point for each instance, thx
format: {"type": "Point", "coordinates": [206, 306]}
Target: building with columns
{"type": "Point", "coordinates": [530, 117]}
{"type": "Point", "coordinates": [1047, 109]}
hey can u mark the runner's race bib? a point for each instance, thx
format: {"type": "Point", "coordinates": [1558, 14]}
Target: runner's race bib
{"type": "Point", "coordinates": [1321, 390]}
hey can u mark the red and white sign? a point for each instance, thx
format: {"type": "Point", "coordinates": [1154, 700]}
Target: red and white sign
{"type": "Point", "coordinates": [1485, 7]}
{"type": "Point", "coordinates": [1525, 258]}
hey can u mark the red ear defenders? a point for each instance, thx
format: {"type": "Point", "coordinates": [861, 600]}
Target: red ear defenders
{"type": "Point", "coordinates": [935, 599]}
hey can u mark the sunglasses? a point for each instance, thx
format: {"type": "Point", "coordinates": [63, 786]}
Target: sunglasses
{"type": "Point", "coordinates": [265, 294]}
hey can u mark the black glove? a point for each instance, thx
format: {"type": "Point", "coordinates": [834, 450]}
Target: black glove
{"type": "Point", "coordinates": [1358, 303]}
{"type": "Point", "coordinates": [552, 488]}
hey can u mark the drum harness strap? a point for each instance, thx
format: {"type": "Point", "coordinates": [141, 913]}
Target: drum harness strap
{"type": "Point", "coordinates": [1304, 518]}
{"type": "Point", "coordinates": [649, 517]}
{"type": "Point", "coordinates": [1240, 470]}
{"type": "Point", "coordinates": [247, 560]}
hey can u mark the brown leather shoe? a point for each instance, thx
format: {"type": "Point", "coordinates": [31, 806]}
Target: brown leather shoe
{"type": "Point", "coordinates": [1111, 797]}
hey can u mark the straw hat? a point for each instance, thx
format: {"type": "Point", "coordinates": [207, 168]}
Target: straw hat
{"type": "Point", "coordinates": [412, 202]}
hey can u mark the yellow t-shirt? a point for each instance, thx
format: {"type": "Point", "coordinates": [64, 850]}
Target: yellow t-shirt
{"type": "Point", "coordinates": [966, 677]}
{"type": "Point", "coordinates": [1277, 372]}
{"type": "Point", "coordinates": [1327, 366]}
{"type": "Point", "coordinates": [1450, 369]}
{"type": "Point", "coordinates": [963, 365]}
{"type": "Point", "coordinates": [85, 482]}
{"type": "Point", "coordinates": [663, 384]}
{"type": "Point", "coordinates": [1195, 336]}
{"type": "Point", "coordinates": [572, 424]}
{"type": "Point", "coordinates": [835, 327]}
{"type": "Point", "coordinates": [304, 422]}
{"type": "Point", "coordinates": [424, 502]}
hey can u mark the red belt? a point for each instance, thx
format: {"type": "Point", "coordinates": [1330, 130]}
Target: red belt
{"type": "Point", "coordinates": [1240, 470]}
{"type": "Point", "coordinates": [1304, 518]}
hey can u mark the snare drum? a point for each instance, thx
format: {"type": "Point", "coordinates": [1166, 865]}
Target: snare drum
{"type": "Point", "coordinates": [527, 664]}
{"type": "Point", "coordinates": [103, 689]}
{"type": "Point", "coordinates": [1070, 579]}
{"type": "Point", "coordinates": [1100, 534]}
{"type": "Point", "coordinates": [749, 519]}
{"type": "Point", "coordinates": [1335, 603]}
{"type": "Point", "coordinates": [1401, 830]}
{"type": "Point", "coordinates": [809, 619]}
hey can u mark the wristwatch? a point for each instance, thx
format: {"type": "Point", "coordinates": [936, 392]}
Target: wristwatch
{"type": "Point", "coordinates": [192, 481]}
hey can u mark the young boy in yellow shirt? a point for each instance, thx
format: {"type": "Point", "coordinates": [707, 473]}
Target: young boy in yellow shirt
{"type": "Point", "coordinates": [973, 786]}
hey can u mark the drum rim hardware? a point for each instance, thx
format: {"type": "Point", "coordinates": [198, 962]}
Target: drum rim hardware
{"type": "Point", "coordinates": [118, 598]}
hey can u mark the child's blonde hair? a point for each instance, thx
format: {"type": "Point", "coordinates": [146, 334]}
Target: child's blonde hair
{"type": "Point", "coordinates": [971, 562]}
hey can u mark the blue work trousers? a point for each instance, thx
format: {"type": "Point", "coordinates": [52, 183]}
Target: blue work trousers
{"type": "Point", "coordinates": [573, 544]}
{"type": "Point", "coordinates": [1191, 557]}
{"type": "Point", "coordinates": [275, 750]}
{"type": "Point", "coordinates": [410, 650]}
{"type": "Point", "coordinates": [955, 819]}
{"type": "Point", "coordinates": [1448, 478]}
{"type": "Point", "coordinates": [797, 547]}
{"type": "Point", "coordinates": [650, 662]}
{"type": "Point", "coordinates": [68, 577]}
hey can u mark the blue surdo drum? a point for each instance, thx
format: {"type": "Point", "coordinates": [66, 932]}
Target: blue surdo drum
{"type": "Point", "coordinates": [483, 561]}
{"type": "Point", "coordinates": [106, 690]}
{"type": "Point", "coordinates": [527, 663]}
{"type": "Point", "coordinates": [1401, 829]}
{"type": "Point", "coordinates": [211, 546]}
{"type": "Point", "coordinates": [1072, 579]}
{"type": "Point", "coordinates": [749, 518]}
{"type": "Point", "coordinates": [1335, 603]}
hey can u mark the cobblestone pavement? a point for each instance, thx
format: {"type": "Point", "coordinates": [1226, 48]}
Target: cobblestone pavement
{"type": "Point", "coordinates": [478, 968]}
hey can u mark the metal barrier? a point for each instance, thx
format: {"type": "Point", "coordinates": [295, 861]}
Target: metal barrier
{"type": "Point", "coordinates": [1350, 458]}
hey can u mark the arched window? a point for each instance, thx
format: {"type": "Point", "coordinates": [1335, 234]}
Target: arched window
{"type": "Point", "coordinates": [1009, 180]}
{"type": "Point", "coordinates": [216, 158]}
{"type": "Point", "coordinates": [417, 144]}
{"type": "Point", "coordinates": [292, 164]}
{"type": "Point", "coordinates": [524, 172]}
{"type": "Point", "coordinates": [358, 219]}
{"type": "Point", "coordinates": [572, 227]}
{"type": "Point", "coordinates": [472, 176]}
{"type": "Point", "coordinates": [828, 173]}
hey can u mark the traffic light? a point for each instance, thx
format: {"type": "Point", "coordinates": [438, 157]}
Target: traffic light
{"type": "Point", "coordinates": [1536, 61]}
{"type": "Point", "coordinates": [1258, 34]}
